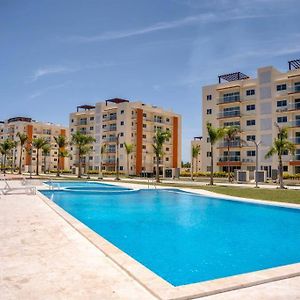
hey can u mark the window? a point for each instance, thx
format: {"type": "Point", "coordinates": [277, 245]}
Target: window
{"type": "Point", "coordinates": [144, 136]}
{"type": "Point", "coordinates": [281, 87]}
{"type": "Point", "coordinates": [91, 128]}
{"type": "Point", "coordinates": [208, 154]}
{"type": "Point", "coordinates": [208, 140]}
{"type": "Point", "coordinates": [282, 119]}
{"type": "Point", "coordinates": [250, 107]}
{"type": "Point", "coordinates": [72, 121]}
{"type": "Point", "coordinates": [208, 97]}
{"type": "Point", "coordinates": [121, 145]}
{"type": "Point", "coordinates": [285, 168]}
{"type": "Point", "coordinates": [250, 92]}
{"type": "Point", "coordinates": [144, 146]}
{"type": "Point", "coordinates": [167, 120]}
{"type": "Point", "coordinates": [281, 103]}
{"type": "Point", "coordinates": [122, 123]}
{"type": "Point", "coordinates": [167, 158]}
{"type": "Point", "coordinates": [121, 133]}
{"type": "Point", "coordinates": [122, 112]}
{"type": "Point", "coordinates": [209, 111]}
{"type": "Point", "coordinates": [144, 125]}
{"type": "Point", "coordinates": [251, 153]}
{"type": "Point", "coordinates": [145, 115]}
{"type": "Point", "coordinates": [121, 168]}
{"type": "Point", "coordinates": [91, 118]}
{"type": "Point", "coordinates": [167, 149]}
{"type": "Point", "coordinates": [250, 137]}
{"type": "Point", "coordinates": [250, 122]}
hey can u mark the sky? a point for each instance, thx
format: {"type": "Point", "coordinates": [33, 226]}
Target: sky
{"type": "Point", "coordinates": [57, 54]}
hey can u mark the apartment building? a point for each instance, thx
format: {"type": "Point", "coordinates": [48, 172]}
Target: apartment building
{"type": "Point", "coordinates": [33, 129]}
{"type": "Point", "coordinates": [197, 142]}
{"type": "Point", "coordinates": [255, 105]}
{"type": "Point", "coordinates": [117, 121]}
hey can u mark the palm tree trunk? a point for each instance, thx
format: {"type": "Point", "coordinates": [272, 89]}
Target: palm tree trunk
{"type": "Point", "coordinates": [228, 162]}
{"type": "Point", "coordinates": [128, 165]}
{"type": "Point", "coordinates": [58, 165]}
{"type": "Point", "coordinates": [157, 168]}
{"type": "Point", "coordinates": [192, 169]}
{"type": "Point", "coordinates": [37, 161]}
{"type": "Point", "coordinates": [79, 166]}
{"type": "Point", "coordinates": [45, 157]}
{"type": "Point", "coordinates": [20, 160]}
{"type": "Point", "coordinates": [211, 165]}
{"type": "Point", "coordinates": [280, 173]}
{"type": "Point", "coordinates": [4, 164]}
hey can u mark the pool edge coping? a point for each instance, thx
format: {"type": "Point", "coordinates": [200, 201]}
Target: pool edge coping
{"type": "Point", "coordinates": [160, 288]}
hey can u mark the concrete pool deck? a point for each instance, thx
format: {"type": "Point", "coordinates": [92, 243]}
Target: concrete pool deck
{"type": "Point", "coordinates": [42, 255]}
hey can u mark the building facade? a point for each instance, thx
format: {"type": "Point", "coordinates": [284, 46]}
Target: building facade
{"type": "Point", "coordinates": [255, 106]}
{"type": "Point", "coordinates": [196, 142]}
{"type": "Point", "coordinates": [33, 129]}
{"type": "Point", "coordinates": [117, 121]}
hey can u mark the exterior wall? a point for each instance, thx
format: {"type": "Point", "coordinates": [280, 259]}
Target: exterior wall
{"type": "Point", "coordinates": [34, 130]}
{"type": "Point", "coordinates": [197, 160]}
{"type": "Point", "coordinates": [266, 114]}
{"type": "Point", "coordinates": [132, 123]}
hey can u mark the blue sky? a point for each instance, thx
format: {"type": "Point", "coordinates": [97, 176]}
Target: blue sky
{"type": "Point", "coordinates": [56, 55]}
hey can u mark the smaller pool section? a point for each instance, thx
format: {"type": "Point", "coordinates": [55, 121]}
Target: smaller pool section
{"type": "Point", "coordinates": [74, 186]}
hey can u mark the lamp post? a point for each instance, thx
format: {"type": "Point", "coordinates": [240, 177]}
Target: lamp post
{"type": "Point", "coordinates": [256, 161]}
{"type": "Point", "coordinates": [117, 154]}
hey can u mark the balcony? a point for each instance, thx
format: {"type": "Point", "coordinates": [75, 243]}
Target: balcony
{"type": "Point", "coordinates": [231, 160]}
{"type": "Point", "coordinates": [294, 123]}
{"type": "Point", "coordinates": [111, 150]}
{"type": "Point", "coordinates": [296, 160]}
{"type": "Point", "coordinates": [229, 114]}
{"type": "Point", "coordinates": [110, 139]}
{"type": "Point", "coordinates": [248, 160]}
{"type": "Point", "coordinates": [229, 99]}
{"type": "Point", "coordinates": [294, 89]}
{"type": "Point", "coordinates": [82, 122]}
{"type": "Point", "coordinates": [110, 118]}
{"type": "Point", "coordinates": [295, 140]}
{"type": "Point", "coordinates": [233, 144]}
{"type": "Point", "coordinates": [110, 128]}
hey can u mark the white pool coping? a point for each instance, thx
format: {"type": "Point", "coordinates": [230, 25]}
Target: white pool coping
{"type": "Point", "coordinates": [158, 286]}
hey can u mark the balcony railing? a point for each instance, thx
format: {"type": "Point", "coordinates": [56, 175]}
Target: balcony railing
{"type": "Point", "coordinates": [82, 122]}
{"type": "Point", "coordinates": [294, 123]}
{"type": "Point", "coordinates": [110, 139]}
{"type": "Point", "coordinates": [296, 157]}
{"type": "Point", "coordinates": [229, 158]}
{"type": "Point", "coordinates": [228, 99]}
{"type": "Point", "coordinates": [111, 151]}
{"type": "Point", "coordinates": [110, 128]}
{"type": "Point", "coordinates": [294, 89]}
{"type": "Point", "coordinates": [231, 144]}
{"type": "Point", "coordinates": [110, 118]}
{"type": "Point", "coordinates": [248, 160]}
{"type": "Point", "coordinates": [295, 140]}
{"type": "Point", "coordinates": [229, 114]}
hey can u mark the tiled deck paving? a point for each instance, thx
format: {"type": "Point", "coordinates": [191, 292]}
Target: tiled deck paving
{"type": "Point", "coordinates": [42, 256]}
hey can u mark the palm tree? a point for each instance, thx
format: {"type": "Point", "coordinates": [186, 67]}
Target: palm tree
{"type": "Point", "coordinates": [46, 149]}
{"type": "Point", "coordinates": [214, 135]}
{"type": "Point", "coordinates": [22, 139]}
{"type": "Point", "coordinates": [231, 132]}
{"type": "Point", "coordinates": [158, 143]}
{"type": "Point", "coordinates": [281, 145]}
{"type": "Point", "coordinates": [14, 146]}
{"type": "Point", "coordinates": [82, 142]}
{"type": "Point", "coordinates": [61, 142]}
{"type": "Point", "coordinates": [102, 151]}
{"type": "Point", "coordinates": [62, 153]}
{"type": "Point", "coordinates": [5, 149]}
{"type": "Point", "coordinates": [129, 149]}
{"type": "Point", "coordinates": [195, 153]}
{"type": "Point", "coordinates": [38, 143]}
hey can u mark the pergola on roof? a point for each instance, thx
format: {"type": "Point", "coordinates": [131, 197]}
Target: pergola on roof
{"type": "Point", "coordinates": [19, 119]}
{"type": "Point", "coordinates": [116, 100]}
{"type": "Point", "coordinates": [294, 64]}
{"type": "Point", "coordinates": [197, 138]}
{"type": "Point", "coordinates": [85, 107]}
{"type": "Point", "coordinates": [233, 76]}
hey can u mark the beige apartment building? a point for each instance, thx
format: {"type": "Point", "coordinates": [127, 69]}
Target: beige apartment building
{"type": "Point", "coordinates": [196, 142]}
{"type": "Point", "coordinates": [117, 121]}
{"type": "Point", "coordinates": [255, 105]}
{"type": "Point", "coordinates": [33, 129]}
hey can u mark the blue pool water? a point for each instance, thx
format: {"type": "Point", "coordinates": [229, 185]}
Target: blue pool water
{"type": "Point", "coordinates": [187, 238]}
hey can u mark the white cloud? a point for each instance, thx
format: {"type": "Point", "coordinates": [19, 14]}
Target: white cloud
{"type": "Point", "coordinates": [39, 93]}
{"type": "Point", "coordinates": [50, 70]}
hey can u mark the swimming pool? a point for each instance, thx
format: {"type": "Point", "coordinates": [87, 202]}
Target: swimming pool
{"type": "Point", "coordinates": [186, 238]}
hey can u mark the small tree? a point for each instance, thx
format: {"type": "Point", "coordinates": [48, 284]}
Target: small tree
{"type": "Point", "coordinates": [82, 143]}
{"type": "Point", "coordinates": [214, 135]}
{"type": "Point", "coordinates": [158, 143]}
{"type": "Point", "coordinates": [38, 143]}
{"type": "Point", "coordinates": [231, 132]}
{"type": "Point", "coordinates": [102, 151]}
{"type": "Point", "coordinates": [46, 149]}
{"type": "Point", "coordinates": [195, 153]}
{"type": "Point", "coordinates": [22, 140]}
{"type": "Point", "coordinates": [129, 149]}
{"type": "Point", "coordinates": [62, 143]}
{"type": "Point", "coordinates": [5, 149]}
{"type": "Point", "coordinates": [280, 146]}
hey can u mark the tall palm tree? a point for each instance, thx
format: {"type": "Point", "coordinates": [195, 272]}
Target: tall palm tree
{"type": "Point", "coordinates": [14, 146]}
{"type": "Point", "coordinates": [195, 153]}
{"type": "Point", "coordinates": [102, 151]}
{"type": "Point", "coordinates": [158, 143]}
{"type": "Point", "coordinates": [231, 132]}
{"type": "Point", "coordinates": [38, 143]}
{"type": "Point", "coordinates": [5, 147]}
{"type": "Point", "coordinates": [214, 135]}
{"type": "Point", "coordinates": [46, 149]}
{"type": "Point", "coordinates": [22, 140]}
{"type": "Point", "coordinates": [82, 143]}
{"type": "Point", "coordinates": [62, 143]}
{"type": "Point", "coordinates": [281, 145]}
{"type": "Point", "coordinates": [129, 149]}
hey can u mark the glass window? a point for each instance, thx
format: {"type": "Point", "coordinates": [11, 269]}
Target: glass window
{"type": "Point", "coordinates": [209, 111]}
{"type": "Point", "coordinates": [250, 107]}
{"type": "Point", "coordinates": [281, 87]}
{"type": "Point", "coordinates": [282, 119]}
{"type": "Point", "coordinates": [250, 92]}
{"type": "Point", "coordinates": [250, 122]}
{"type": "Point", "coordinates": [208, 97]}
{"type": "Point", "coordinates": [251, 153]}
{"type": "Point", "coordinates": [281, 103]}
{"type": "Point", "coordinates": [250, 137]}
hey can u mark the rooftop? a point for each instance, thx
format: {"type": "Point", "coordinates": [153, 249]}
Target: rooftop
{"type": "Point", "coordinates": [233, 76]}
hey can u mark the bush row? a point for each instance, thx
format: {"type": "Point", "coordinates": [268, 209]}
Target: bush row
{"type": "Point", "coordinates": [204, 174]}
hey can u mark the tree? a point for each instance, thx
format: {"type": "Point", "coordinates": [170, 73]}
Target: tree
{"type": "Point", "coordinates": [82, 143]}
{"type": "Point", "coordinates": [22, 140]}
{"type": "Point", "coordinates": [214, 135]}
{"type": "Point", "coordinates": [158, 143]}
{"type": "Point", "coordinates": [61, 142]}
{"type": "Point", "coordinates": [38, 143]}
{"type": "Point", "coordinates": [14, 146]}
{"type": "Point", "coordinates": [102, 151]}
{"type": "Point", "coordinates": [231, 132]}
{"type": "Point", "coordinates": [281, 145]}
{"type": "Point", "coordinates": [46, 149]}
{"type": "Point", "coordinates": [195, 153]}
{"type": "Point", "coordinates": [129, 149]}
{"type": "Point", "coordinates": [5, 148]}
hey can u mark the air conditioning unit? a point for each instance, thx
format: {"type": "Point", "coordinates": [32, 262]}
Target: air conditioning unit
{"type": "Point", "coordinates": [242, 176]}
{"type": "Point", "coordinates": [261, 176]}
